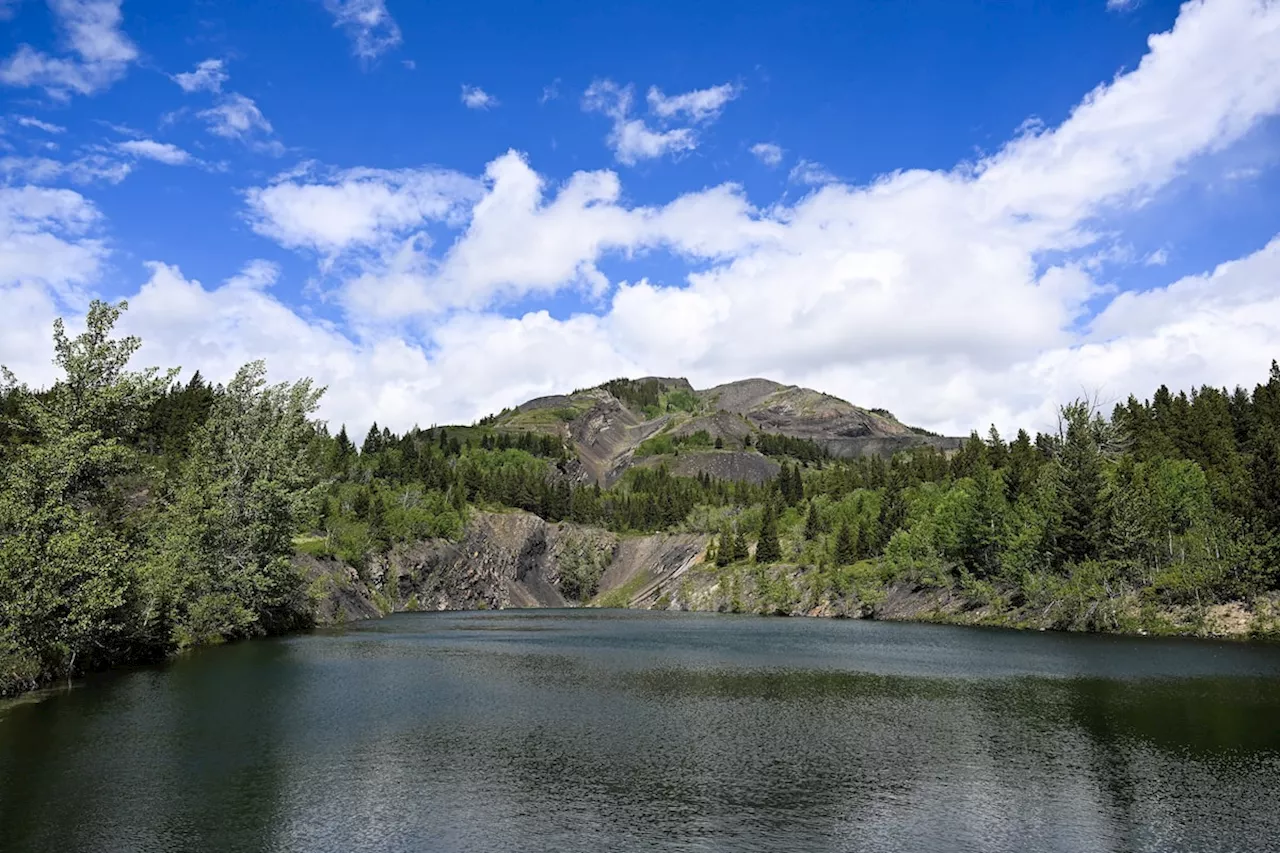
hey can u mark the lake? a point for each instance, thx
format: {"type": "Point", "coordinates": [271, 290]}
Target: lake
{"type": "Point", "coordinates": [593, 730]}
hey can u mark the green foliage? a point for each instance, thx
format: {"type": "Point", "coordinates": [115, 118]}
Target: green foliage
{"type": "Point", "coordinates": [665, 443]}
{"type": "Point", "coordinates": [224, 535]}
{"type": "Point", "coordinates": [636, 393]}
{"type": "Point", "coordinates": [658, 445]}
{"type": "Point", "coordinates": [66, 577]}
{"type": "Point", "coordinates": [681, 400]}
{"type": "Point", "coordinates": [582, 564]}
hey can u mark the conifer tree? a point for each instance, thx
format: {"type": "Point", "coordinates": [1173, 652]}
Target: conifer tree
{"type": "Point", "coordinates": [725, 548]}
{"type": "Point", "coordinates": [846, 551]}
{"type": "Point", "coordinates": [345, 447]}
{"type": "Point", "coordinates": [768, 548]}
{"type": "Point", "coordinates": [372, 440]}
{"type": "Point", "coordinates": [812, 522]}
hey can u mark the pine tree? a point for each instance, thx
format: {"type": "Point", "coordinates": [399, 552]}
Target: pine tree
{"type": "Point", "coordinates": [724, 548]}
{"type": "Point", "coordinates": [372, 440]}
{"type": "Point", "coordinates": [846, 550]}
{"type": "Point", "coordinates": [345, 447]}
{"type": "Point", "coordinates": [1022, 467]}
{"type": "Point", "coordinates": [1080, 487]}
{"type": "Point", "coordinates": [983, 533]}
{"type": "Point", "coordinates": [997, 450]}
{"type": "Point", "coordinates": [768, 548]}
{"type": "Point", "coordinates": [812, 522]}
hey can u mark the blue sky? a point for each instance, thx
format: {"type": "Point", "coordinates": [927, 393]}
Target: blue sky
{"type": "Point", "coordinates": [439, 210]}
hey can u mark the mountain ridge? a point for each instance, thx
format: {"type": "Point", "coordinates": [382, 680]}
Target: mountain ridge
{"type": "Point", "coordinates": [624, 422]}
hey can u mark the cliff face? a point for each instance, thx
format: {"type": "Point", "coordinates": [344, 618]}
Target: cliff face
{"type": "Point", "coordinates": [506, 560]}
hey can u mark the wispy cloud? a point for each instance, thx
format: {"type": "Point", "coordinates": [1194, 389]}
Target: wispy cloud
{"type": "Point", "coordinates": [810, 173]}
{"type": "Point", "coordinates": [631, 139]}
{"type": "Point", "coordinates": [37, 124]}
{"type": "Point", "coordinates": [236, 116]}
{"type": "Point", "coordinates": [367, 23]}
{"type": "Point", "coordinates": [161, 152]}
{"type": "Point", "coordinates": [88, 169]}
{"type": "Point", "coordinates": [698, 105]}
{"type": "Point", "coordinates": [208, 76]}
{"type": "Point", "coordinates": [768, 153]}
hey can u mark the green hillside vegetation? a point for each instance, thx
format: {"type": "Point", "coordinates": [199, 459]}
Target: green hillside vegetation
{"type": "Point", "coordinates": [140, 515]}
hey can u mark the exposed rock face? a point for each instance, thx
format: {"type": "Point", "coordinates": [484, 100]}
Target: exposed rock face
{"type": "Point", "coordinates": [503, 560]}
{"type": "Point", "coordinates": [606, 437]}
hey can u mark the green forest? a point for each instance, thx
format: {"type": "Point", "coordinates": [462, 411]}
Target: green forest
{"type": "Point", "coordinates": [141, 515]}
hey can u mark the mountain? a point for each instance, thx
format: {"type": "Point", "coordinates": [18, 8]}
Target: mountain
{"type": "Point", "coordinates": [717, 431]}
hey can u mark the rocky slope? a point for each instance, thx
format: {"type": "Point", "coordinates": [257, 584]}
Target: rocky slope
{"type": "Point", "coordinates": [510, 559]}
{"type": "Point", "coordinates": [607, 426]}
{"type": "Point", "coordinates": [515, 559]}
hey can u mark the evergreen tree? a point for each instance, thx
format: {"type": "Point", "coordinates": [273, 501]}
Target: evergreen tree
{"type": "Point", "coordinates": [768, 548]}
{"type": "Point", "coordinates": [984, 529]}
{"type": "Point", "coordinates": [812, 522]}
{"type": "Point", "coordinates": [1022, 466]}
{"type": "Point", "coordinates": [997, 450]}
{"type": "Point", "coordinates": [725, 551]}
{"type": "Point", "coordinates": [1080, 481]}
{"type": "Point", "coordinates": [846, 551]}
{"type": "Point", "coordinates": [345, 448]}
{"type": "Point", "coordinates": [372, 441]}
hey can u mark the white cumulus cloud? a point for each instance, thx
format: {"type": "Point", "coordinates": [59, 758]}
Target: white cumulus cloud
{"type": "Point", "coordinates": [99, 51]}
{"type": "Point", "coordinates": [475, 98]}
{"type": "Point", "coordinates": [356, 209]}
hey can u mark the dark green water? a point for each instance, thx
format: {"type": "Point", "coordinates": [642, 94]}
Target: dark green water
{"type": "Point", "coordinates": [604, 731]}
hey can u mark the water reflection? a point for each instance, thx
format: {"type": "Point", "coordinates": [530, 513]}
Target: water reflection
{"type": "Point", "coordinates": [587, 731]}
